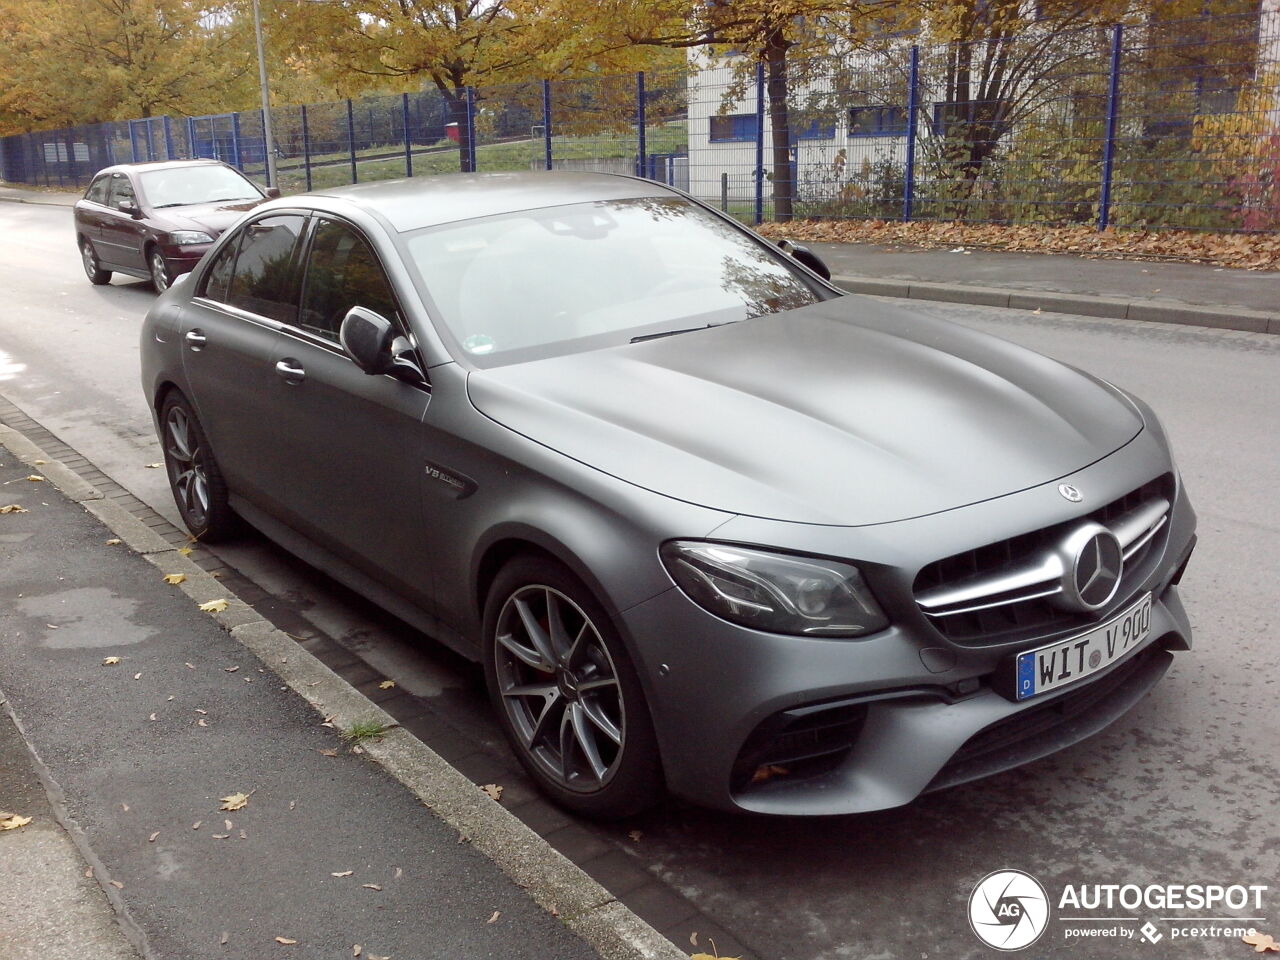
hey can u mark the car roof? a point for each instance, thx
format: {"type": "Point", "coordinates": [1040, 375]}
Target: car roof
{"type": "Point", "coordinates": [158, 165]}
{"type": "Point", "coordinates": [417, 202]}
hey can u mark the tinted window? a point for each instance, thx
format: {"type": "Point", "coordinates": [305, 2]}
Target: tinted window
{"type": "Point", "coordinates": [98, 190]}
{"type": "Point", "coordinates": [218, 279]}
{"type": "Point", "coordinates": [342, 272]}
{"type": "Point", "coordinates": [121, 190]}
{"type": "Point", "coordinates": [264, 281]}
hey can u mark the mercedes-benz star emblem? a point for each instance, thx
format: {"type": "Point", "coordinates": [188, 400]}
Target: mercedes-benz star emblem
{"type": "Point", "coordinates": [1071, 493]}
{"type": "Point", "coordinates": [1092, 564]}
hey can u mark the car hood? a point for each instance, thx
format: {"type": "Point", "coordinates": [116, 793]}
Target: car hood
{"type": "Point", "coordinates": [846, 412]}
{"type": "Point", "coordinates": [212, 218]}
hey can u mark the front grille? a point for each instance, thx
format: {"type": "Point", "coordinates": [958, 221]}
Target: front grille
{"type": "Point", "coordinates": [1002, 592]}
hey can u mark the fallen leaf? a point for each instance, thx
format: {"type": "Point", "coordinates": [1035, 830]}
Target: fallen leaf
{"type": "Point", "coordinates": [184, 551]}
{"type": "Point", "coordinates": [223, 939]}
{"type": "Point", "coordinates": [243, 835]}
{"type": "Point", "coordinates": [370, 886]}
{"type": "Point", "coordinates": [154, 466]}
{"type": "Point", "coordinates": [494, 918]}
{"type": "Point", "coordinates": [13, 508]}
{"type": "Point", "coordinates": [356, 950]}
{"type": "Point", "coordinates": [202, 722]}
{"type": "Point", "coordinates": [11, 821]}
{"type": "Point", "coordinates": [386, 684]}
{"type": "Point", "coordinates": [114, 542]}
{"type": "Point", "coordinates": [152, 717]}
{"type": "Point", "coordinates": [174, 578]}
{"type": "Point", "coordinates": [292, 804]}
{"type": "Point", "coordinates": [39, 463]}
{"type": "Point", "coordinates": [236, 801]}
{"type": "Point", "coordinates": [343, 873]}
{"type": "Point", "coordinates": [203, 713]}
{"type": "Point", "coordinates": [88, 872]}
{"type": "Point", "coordinates": [1261, 942]}
{"type": "Point", "coordinates": [53, 626]}
{"type": "Point", "coordinates": [124, 807]}
{"type": "Point", "coordinates": [493, 790]}
{"type": "Point", "coordinates": [399, 873]}
{"type": "Point", "coordinates": [35, 478]}
{"type": "Point", "coordinates": [693, 938]}
{"type": "Point", "coordinates": [635, 835]}
{"type": "Point", "coordinates": [328, 753]}
{"type": "Point", "coordinates": [152, 838]}
{"type": "Point", "coordinates": [227, 825]}
{"type": "Point", "coordinates": [196, 825]}
{"type": "Point", "coordinates": [110, 661]}
{"type": "Point", "coordinates": [768, 773]}
{"type": "Point", "coordinates": [231, 669]}
{"type": "Point", "coordinates": [221, 836]}
{"type": "Point", "coordinates": [189, 666]}
{"type": "Point", "coordinates": [117, 884]}
{"type": "Point", "coordinates": [286, 941]}
{"type": "Point", "coordinates": [375, 957]}
{"type": "Point", "coordinates": [137, 676]}
{"type": "Point", "coordinates": [214, 606]}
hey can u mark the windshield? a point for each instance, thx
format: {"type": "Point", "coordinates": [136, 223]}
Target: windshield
{"type": "Point", "coordinates": [548, 281]}
{"type": "Point", "coordinates": [179, 186]}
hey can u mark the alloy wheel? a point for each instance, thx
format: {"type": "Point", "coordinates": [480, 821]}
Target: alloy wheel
{"type": "Point", "coordinates": [89, 259]}
{"type": "Point", "coordinates": [187, 473]}
{"type": "Point", "coordinates": [559, 688]}
{"type": "Point", "coordinates": [159, 274]}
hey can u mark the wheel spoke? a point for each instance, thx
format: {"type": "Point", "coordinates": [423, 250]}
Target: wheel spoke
{"type": "Point", "coordinates": [542, 726]}
{"type": "Point", "coordinates": [531, 690]}
{"type": "Point", "coordinates": [522, 653]}
{"type": "Point", "coordinates": [566, 744]}
{"type": "Point", "coordinates": [537, 636]}
{"type": "Point", "coordinates": [557, 638]}
{"type": "Point", "coordinates": [575, 648]}
{"type": "Point", "coordinates": [595, 713]}
{"type": "Point", "coordinates": [599, 683]}
{"type": "Point", "coordinates": [586, 740]}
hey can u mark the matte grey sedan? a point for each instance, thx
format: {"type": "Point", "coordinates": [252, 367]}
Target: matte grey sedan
{"type": "Point", "coordinates": [712, 526]}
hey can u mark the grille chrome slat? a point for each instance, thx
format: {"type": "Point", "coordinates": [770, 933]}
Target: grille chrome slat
{"type": "Point", "coordinates": [1007, 579]}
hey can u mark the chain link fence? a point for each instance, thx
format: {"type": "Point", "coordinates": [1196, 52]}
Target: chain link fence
{"type": "Point", "coordinates": [1160, 125]}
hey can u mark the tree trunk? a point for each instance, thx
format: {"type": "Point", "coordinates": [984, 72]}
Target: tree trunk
{"type": "Point", "coordinates": [784, 187]}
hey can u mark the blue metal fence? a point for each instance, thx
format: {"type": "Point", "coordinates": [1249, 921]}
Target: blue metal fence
{"type": "Point", "coordinates": [1157, 124]}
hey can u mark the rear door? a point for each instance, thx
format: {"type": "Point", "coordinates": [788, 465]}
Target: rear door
{"type": "Point", "coordinates": [347, 462]}
{"type": "Point", "coordinates": [122, 238]}
{"type": "Point", "coordinates": [229, 334]}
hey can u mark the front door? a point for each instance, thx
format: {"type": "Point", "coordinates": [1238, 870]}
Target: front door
{"type": "Point", "coordinates": [347, 468]}
{"type": "Point", "coordinates": [121, 240]}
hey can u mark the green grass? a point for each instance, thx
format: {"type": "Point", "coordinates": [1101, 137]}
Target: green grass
{"type": "Point", "coordinates": [363, 730]}
{"type": "Point", "coordinates": [514, 155]}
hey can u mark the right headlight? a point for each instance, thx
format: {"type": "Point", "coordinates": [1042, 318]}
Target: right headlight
{"type": "Point", "coordinates": [777, 592]}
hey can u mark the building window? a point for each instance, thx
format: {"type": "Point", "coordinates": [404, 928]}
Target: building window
{"type": "Point", "coordinates": [733, 128]}
{"type": "Point", "coordinates": [816, 131]}
{"type": "Point", "coordinates": [877, 121]}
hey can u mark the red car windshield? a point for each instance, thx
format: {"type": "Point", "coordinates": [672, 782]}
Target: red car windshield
{"type": "Point", "coordinates": [181, 186]}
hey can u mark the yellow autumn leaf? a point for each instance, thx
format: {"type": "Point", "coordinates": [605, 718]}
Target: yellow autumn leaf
{"type": "Point", "coordinates": [493, 790]}
{"type": "Point", "coordinates": [36, 478]}
{"type": "Point", "coordinates": [386, 684]}
{"type": "Point", "coordinates": [13, 508]}
{"type": "Point", "coordinates": [214, 606]}
{"type": "Point", "coordinates": [174, 577]}
{"type": "Point", "coordinates": [285, 940]}
{"type": "Point", "coordinates": [184, 551]}
{"type": "Point", "coordinates": [11, 821]}
{"type": "Point", "coordinates": [236, 801]}
{"type": "Point", "coordinates": [114, 541]}
{"type": "Point", "coordinates": [1261, 942]}
{"type": "Point", "coordinates": [110, 661]}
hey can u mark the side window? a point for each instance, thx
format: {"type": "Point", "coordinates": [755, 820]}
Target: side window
{"type": "Point", "coordinates": [121, 189]}
{"type": "Point", "coordinates": [98, 190]}
{"type": "Point", "coordinates": [218, 279]}
{"type": "Point", "coordinates": [342, 272]}
{"type": "Point", "coordinates": [264, 281]}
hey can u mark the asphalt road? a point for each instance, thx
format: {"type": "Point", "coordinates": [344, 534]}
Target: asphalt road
{"type": "Point", "coordinates": [1182, 790]}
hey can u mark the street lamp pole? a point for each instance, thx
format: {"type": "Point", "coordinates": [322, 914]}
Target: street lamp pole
{"type": "Point", "coordinates": [268, 141]}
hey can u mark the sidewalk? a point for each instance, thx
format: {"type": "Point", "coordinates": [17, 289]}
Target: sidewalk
{"type": "Point", "coordinates": [146, 713]}
{"type": "Point", "coordinates": [1189, 293]}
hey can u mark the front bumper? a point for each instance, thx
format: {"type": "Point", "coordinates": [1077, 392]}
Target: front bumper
{"type": "Point", "coordinates": [180, 260]}
{"type": "Point", "coordinates": [916, 712]}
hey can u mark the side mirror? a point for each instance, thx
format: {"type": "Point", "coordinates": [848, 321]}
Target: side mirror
{"type": "Point", "coordinates": [131, 208]}
{"type": "Point", "coordinates": [272, 192]}
{"type": "Point", "coordinates": [371, 341]}
{"type": "Point", "coordinates": [805, 256]}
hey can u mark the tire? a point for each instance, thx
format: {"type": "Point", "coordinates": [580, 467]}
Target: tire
{"type": "Point", "coordinates": [592, 698]}
{"type": "Point", "coordinates": [160, 278]}
{"type": "Point", "coordinates": [89, 260]}
{"type": "Point", "coordinates": [198, 487]}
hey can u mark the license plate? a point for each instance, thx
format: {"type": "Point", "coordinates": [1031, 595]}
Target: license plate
{"type": "Point", "coordinates": [1066, 661]}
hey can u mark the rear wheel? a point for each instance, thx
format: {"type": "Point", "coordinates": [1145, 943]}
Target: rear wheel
{"type": "Point", "coordinates": [159, 272]}
{"type": "Point", "coordinates": [194, 477]}
{"type": "Point", "coordinates": [97, 276]}
{"type": "Point", "coordinates": [566, 693]}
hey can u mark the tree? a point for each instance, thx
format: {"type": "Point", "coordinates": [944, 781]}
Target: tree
{"type": "Point", "coordinates": [82, 61]}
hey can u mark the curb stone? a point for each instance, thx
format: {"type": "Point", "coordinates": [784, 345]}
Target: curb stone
{"type": "Point", "coordinates": [1157, 311]}
{"type": "Point", "coordinates": [551, 880]}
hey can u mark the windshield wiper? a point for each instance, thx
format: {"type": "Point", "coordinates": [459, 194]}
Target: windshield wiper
{"type": "Point", "coordinates": [672, 333]}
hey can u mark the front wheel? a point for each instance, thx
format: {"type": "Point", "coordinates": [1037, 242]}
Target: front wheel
{"type": "Point", "coordinates": [566, 693]}
{"type": "Point", "coordinates": [159, 272]}
{"type": "Point", "coordinates": [97, 276]}
{"type": "Point", "coordinates": [194, 477]}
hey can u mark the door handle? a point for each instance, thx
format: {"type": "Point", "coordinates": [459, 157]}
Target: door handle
{"type": "Point", "coordinates": [291, 370]}
{"type": "Point", "coordinates": [195, 339]}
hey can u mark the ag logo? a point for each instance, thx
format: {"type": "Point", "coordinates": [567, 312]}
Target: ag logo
{"type": "Point", "coordinates": [1008, 910]}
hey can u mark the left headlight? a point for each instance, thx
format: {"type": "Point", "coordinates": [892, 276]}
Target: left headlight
{"type": "Point", "coordinates": [186, 238]}
{"type": "Point", "coordinates": [777, 592]}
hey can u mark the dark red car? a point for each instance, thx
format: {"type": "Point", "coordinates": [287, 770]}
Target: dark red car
{"type": "Point", "coordinates": [156, 220]}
